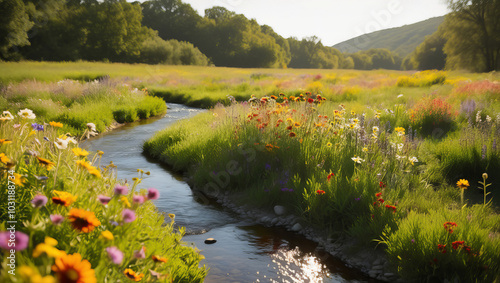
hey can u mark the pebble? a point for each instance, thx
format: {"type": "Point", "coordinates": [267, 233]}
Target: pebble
{"type": "Point", "coordinates": [297, 227]}
{"type": "Point", "coordinates": [377, 267]}
{"type": "Point", "coordinates": [279, 210]}
{"type": "Point", "coordinates": [210, 241]}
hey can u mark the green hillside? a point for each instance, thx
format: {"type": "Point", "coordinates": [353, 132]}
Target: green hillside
{"type": "Point", "coordinates": [402, 40]}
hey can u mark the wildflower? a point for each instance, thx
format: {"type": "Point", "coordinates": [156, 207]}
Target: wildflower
{"type": "Point", "coordinates": [29, 274]}
{"type": "Point", "coordinates": [139, 199]}
{"type": "Point", "coordinates": [45, 162]}
{"type": "Point", "coordinates": [292, 134]}
{"type": "Point", "coordinates": [269, 147]}
{"type": "Point", "coordinates": [39, 201]}
{"type": "Point", "coordinates": [375, 129]}
{"type": "Point", "coordinates": [26, 114]}
{"type": "Point", "coordinates": [48, 247]}
{"type": "Point", "coordinates": [381, 184]}
{"type": "Point", "coordinates": [71, 268]}
{"type": "Point", "coordinates": [100, 153]}
{"type": "Point", "coordinates": [448, 226]}
{"type": "Point", "coordinates": [6, 115]}
{"type": "Point", "coordinates": [320, 192]}
{"type": "Point", "coordinates": [141, 253]}
{"type": "Point", "coordinates": [442, 248]}
{"type": "Point", "coordinates": [94, 171]}
{"type": "Point", "coordinates": [103, 199]}
{"type": "Point", "coordinates": [107, 235]}
{"type": "Point", "coordinates": [128, 215]}
{"type": "Point", "coordinates": [4, 159]}
{"type": "Point", "coordinates": [159, 259]}
{"type": "Point", "coordinates": [132, 275]}
{"type": "Point", "coordinates": [120, 190]}
{"type": "Point", "coordinates": [171, 215]}
{"type": "Point", "coordinates": [18, 180]}
{"type": "Point", "coordinates": [37, 127]}
{"type": "Point", "coordinates": [330, 176]}
{"type": "Point", "coordinates": [413, 160]}
{"type": "Point", "coordinates": [378, 194]}
{"type": "Point", "coordinates": [357, 159]}
{"type": "Point", "coordinates": [365, 149]}
{"type": "Point", "coordinates": [5, 141]}
{"type": "Point", "coordinates": [391, 207]}
{"type": "Point", "coordinates": [63, 198]}
{"type": "Point", "coordinates": [153, 193]}
{"type": "Point", "coordinates": [399, 129]}
{"type": "Point", "coordinates": [61, 144]}
{"type": "Point", "coordinates": [463, 184]}
{"type": "Point", "coordinates": [115, 254]}
{"type": "Point", "coordinates": [84, 164]}
{"type": "Point", "coordinates": [457, 244]}
{"type": "Point", "coordinates": [82, 220]}
{"type": "Point", "coordinates": [125, 201]}
{"type": "Point", "coordinates": [56, 219]}
{"type": "Point", "coordinates": [56, 124]}
{"type": "Point", "coordinates": [80, 152]}
{"type": "Point", "coordinates": [18, 243]}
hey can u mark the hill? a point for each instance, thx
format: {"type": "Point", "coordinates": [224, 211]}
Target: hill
{"type": "Point", "coordinates": [402, 40]}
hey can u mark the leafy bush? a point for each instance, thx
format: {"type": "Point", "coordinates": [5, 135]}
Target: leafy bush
{"type": "Point", "coordinates": [432, 116]}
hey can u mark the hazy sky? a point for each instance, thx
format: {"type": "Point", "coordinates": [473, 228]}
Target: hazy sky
{"type": "Point", "coordinates": [333, 21]}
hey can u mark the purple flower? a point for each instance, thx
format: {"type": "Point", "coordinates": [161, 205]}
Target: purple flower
{"type": "Point", "coordinates": [37, 127]}
{"type": "Point", "coordinates": [115, 254]}
{"type": "Point", "coordinates": [268, 167]}
{"type": "Point", "coordinates": [103, 199]}
{"type": "Point", "coordinates": [114, 223]}
{"type": "Point", "coordinates": [128, 215]}
{"type": "Point", "coordinates": [153, 193]}
{"type": "Point", "coordinates": [39, 201]}
{"type": "Point", "coordinates": [121, 190]}
{"type": "Point", "coordinates": [141, 253]}
{"type": "Point", "coordinates": [413, 240]}
{"type": "Point", "coordinates": [10, 240]}
{"type": "Point", "coordinates": [56, 219]}
{"type": "Point", "coordinates": [357, 199]}
{"type": "Point", "coordinates": [46, 138]}
{"type": "Point", "coordinates": [138, 199]}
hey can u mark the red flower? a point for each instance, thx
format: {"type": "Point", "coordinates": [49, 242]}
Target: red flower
{"type": "Point", "coordinates": [391, 207]}
{"type": "Point", "coordinates": [378, 194]}
{"type": "Point", "coordinates": [320, 192]}
{"type": "Point", "coordinates": [310, 100]}
{"type": "Point", "coordinates": [330, 176]}
{"type": "Point", "coordinates": [442, 248]}
{"type": "Point", "coordinates": [292, 134]}
{"type": "Point", "coordinates": [448, 226]}
{"type": "Point", "coordinates": [381, 184]}
{"type": "Point", "coordinates": [457, 244]}
{"type": "Point", "coordinates": [381, 200]}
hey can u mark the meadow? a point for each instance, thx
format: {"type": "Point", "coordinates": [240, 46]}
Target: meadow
{"type": "Point", "coordinates": [392, 159]}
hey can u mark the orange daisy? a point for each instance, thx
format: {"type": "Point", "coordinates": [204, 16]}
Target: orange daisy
{"type": "Point", "coordinates": [56, 124]}
{"type": "Point", "coordinates": [45, 162]}
{"type": "Point", "coordinates": [80, 152]}
{"type": "Point", "coordinates": [132, 275]}
{"type": "Point", "coordinates": [72, 269]}
{"type": "Point", "coordinates": [82, 220]}
{"type": "Point", "coordinates": [159, 259]}
{"type": "Point", "coordinates": [63, 198]}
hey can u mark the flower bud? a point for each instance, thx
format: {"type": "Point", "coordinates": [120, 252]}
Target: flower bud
{"type": "Point", "coordinates": [485, 176]}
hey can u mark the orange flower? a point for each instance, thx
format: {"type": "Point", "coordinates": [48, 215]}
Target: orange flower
{"type": "Point", "coordinates": [63, 198]}
{"type": "Point", "coordinates": [72, 269]}
{"type": "Point", "coordinates": [159, 259]}
{"type": "Point", "coordinates": [3, 158]}
{"type": "Point", "coordinates": [82, 220]}
{"type": "Point", "coordinates": [448, 226]}
{"type": "Point", "coordinates": [463, 184]}
{"type": "Point", "coordinates": [5, 141]}
{"type": "Point", "coordinates": [80, 152]}
{"type": "Point", "coordinates": [132, 275]}
{"type": "Point", "coordinates": [45, 162]}
{"type": "Point", "coordinates": [56, 124]}
{"type": "Point", "coordinates": [84, 164]}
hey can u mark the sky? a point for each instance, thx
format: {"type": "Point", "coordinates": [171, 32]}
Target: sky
{"type": "Point", "coordinates": [333, 21]}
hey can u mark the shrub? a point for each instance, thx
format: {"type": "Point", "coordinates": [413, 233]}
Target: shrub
{"type": "Point", "coordinates": [432, 116]}
{"type": "Point", "coordinates": [422, 79]}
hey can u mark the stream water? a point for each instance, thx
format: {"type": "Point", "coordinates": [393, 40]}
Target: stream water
{"type": "Point", "coordinates": [244, 251]}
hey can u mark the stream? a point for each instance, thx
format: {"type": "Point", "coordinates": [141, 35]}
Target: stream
{"type": "Point", "coordinates": [245, 251]}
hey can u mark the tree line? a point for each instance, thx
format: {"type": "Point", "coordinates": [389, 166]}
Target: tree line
{"type": "Point", "coordinates": [172, 32]}
{"type": "Point", "coordinates": [469, 39]}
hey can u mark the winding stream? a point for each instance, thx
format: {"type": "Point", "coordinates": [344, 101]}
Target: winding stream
{"type": "Point", "coordinates": [245, 251]}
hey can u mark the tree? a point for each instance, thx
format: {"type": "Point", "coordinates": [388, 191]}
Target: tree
{"type": "Point", "coordinates": [14, 27]}
{"type": "Point", "coordinates": [472, 33]}
{"type": "Point", "coordinates": [429, 55]}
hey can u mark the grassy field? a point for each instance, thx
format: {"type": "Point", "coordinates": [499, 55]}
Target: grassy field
{"type": "Point", "coordinates": [382, 156]}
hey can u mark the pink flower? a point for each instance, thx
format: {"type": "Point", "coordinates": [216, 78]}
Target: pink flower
{"type": "Point", "coordinates": [128, 215]}
{"type": "Point", "coordinates": [115, 254]}
{"type": "Point", "coordinates": [153, 193]}
{"type": "Point", "coordinates": [56, 219]}
{"type": "Point", "coordinates": [10, 240]}
{"type": "Point", "coordinates": [138, 199]}
{"type": "Point", "coordinates": [141, 253]}
{"type": "Point", "coordinates": [121, 190]}
{"type": "Point", "coordinates": [103, 199]}
{"type": "Point", "coordinates": [39, 201]}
